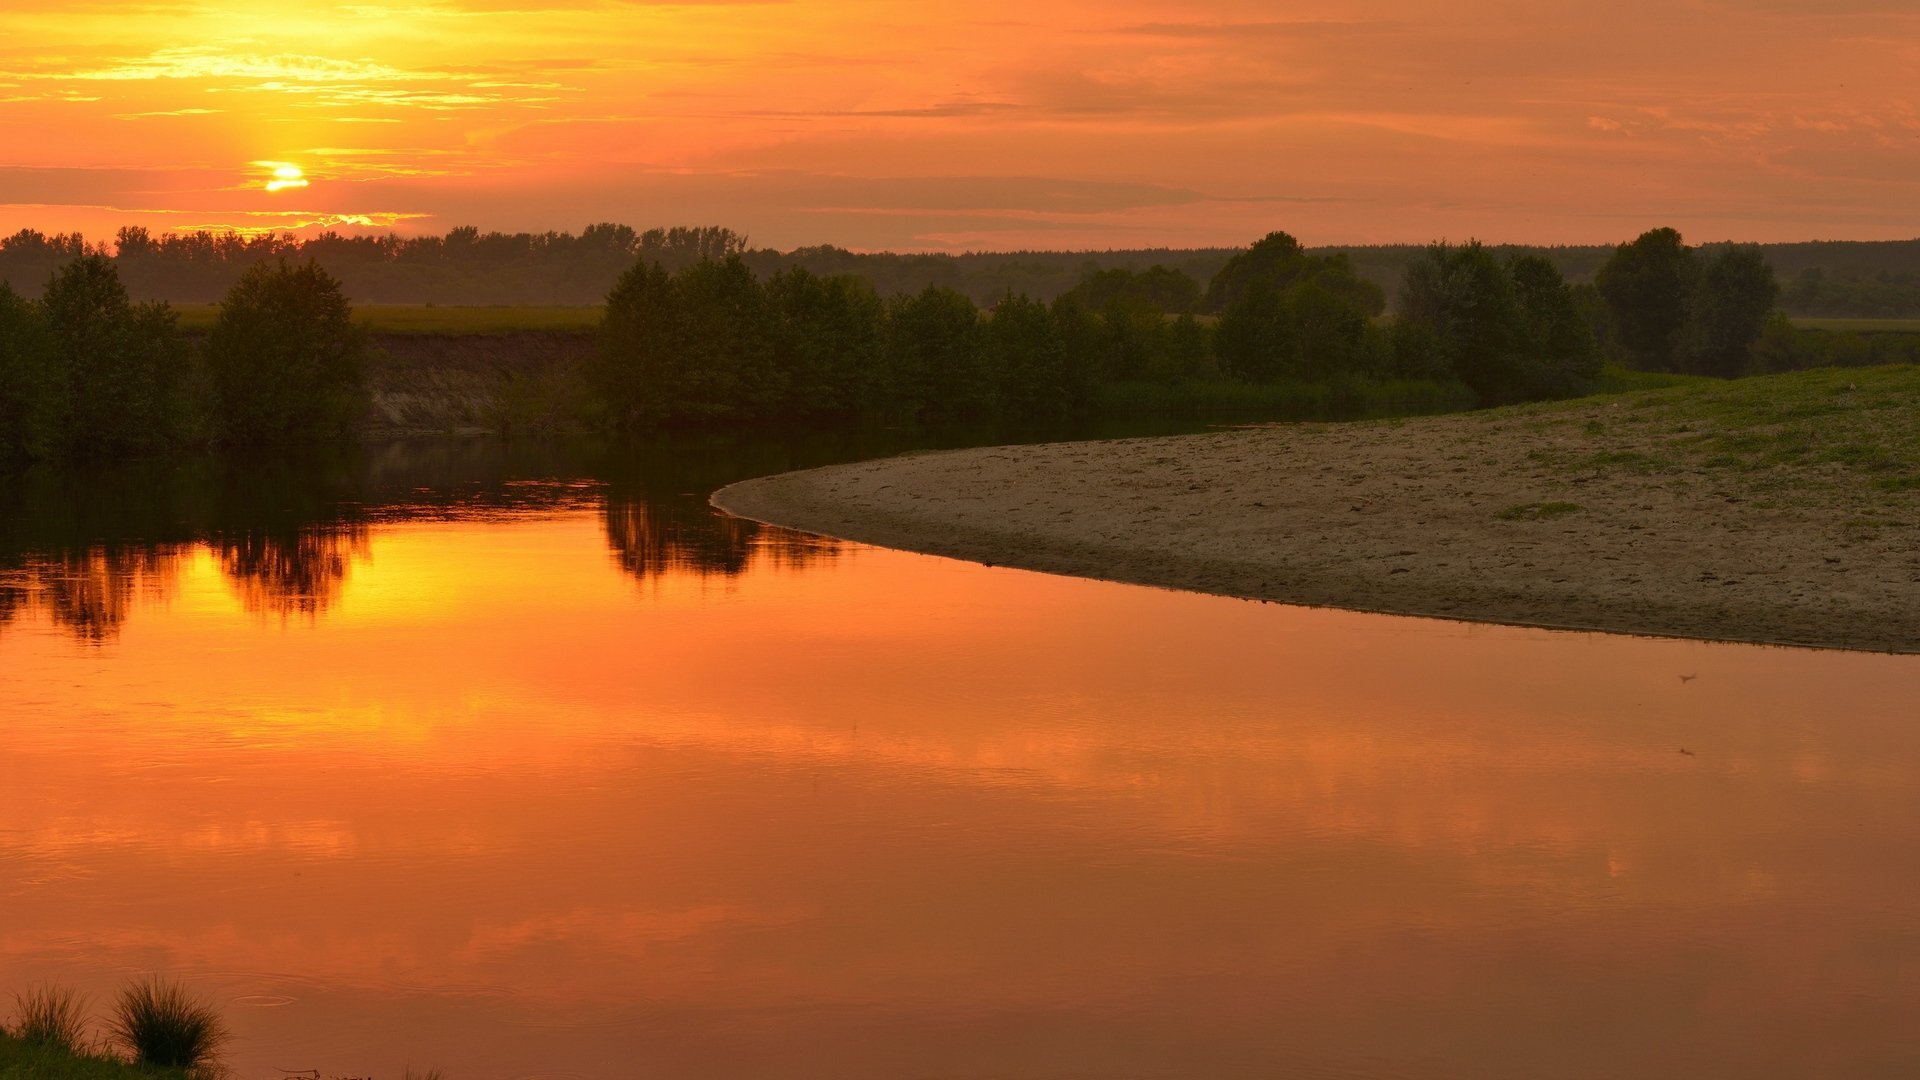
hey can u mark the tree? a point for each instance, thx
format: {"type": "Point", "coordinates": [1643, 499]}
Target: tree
{"type": "Point", "coordinates": [638, 366]}
{"type": "Point", "coordinates": [1256, 336]}
{"type": "Point", "coordinates": [695, 346]}
{"type": "Point", "coordinates": [1285, 314]}
{"type": "Point", "coordinates": [935, 351]}
{"type": "Point", "coordinates": [1561, 358]}
{"type": "Point", "coordinates": [1459, 302]}
{"type": "Point", "coordinates": [1031, 357]}
{"type": "Point", "coordinates": [23, 378]}
{"type": "Point", "coordinates": [285, 362]}
{"type": "Point", "coordinates": [829, 343]}
{"type": "Point", "coordinates": [1735, 295]}
{"type": "Point", "coordinates": [1276, 258]}
{"type": "Point", "coordinates": [1648, 286]}
{"type": "Point", "coordinates": [117, 368]}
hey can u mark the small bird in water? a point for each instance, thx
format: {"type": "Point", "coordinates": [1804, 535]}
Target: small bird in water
{"type": "Point", "coordinates": [1686, 751]}
{"type": "Point", "coordinates": [1689, 678]}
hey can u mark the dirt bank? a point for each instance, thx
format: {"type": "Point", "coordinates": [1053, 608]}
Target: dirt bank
{"type": "Point", "coordinates": [1777, 510]}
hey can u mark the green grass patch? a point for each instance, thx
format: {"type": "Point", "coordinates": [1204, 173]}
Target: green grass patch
{"type": "Point", "coordinates": [1546, 511]}
{"type": "Point", "coordinates": [430, 319]}
{"type": "Point", "coordinates": [1615, 379]}
{"type": "Point", "coordinates": [1804, 432]}
{"type": "Point", "coordinates": [23, 1060]}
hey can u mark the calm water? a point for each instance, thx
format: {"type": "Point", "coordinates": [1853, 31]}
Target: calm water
{"type": "Point", "coordinates": [531, 766]}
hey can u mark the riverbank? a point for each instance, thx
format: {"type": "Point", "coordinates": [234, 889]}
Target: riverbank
{"type": "Point", "coordinates": [1782, 510]}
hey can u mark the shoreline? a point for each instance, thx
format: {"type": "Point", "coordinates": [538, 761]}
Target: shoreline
{"type": "Point", "coordinates": [1611, 515]}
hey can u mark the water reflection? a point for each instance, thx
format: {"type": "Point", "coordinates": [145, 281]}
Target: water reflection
{"type": "Point", "coordinates": [86, 549]}
{"type": "Point", "coordinates": [860, 823]}
{"type": "Point", "coordinates": [91, 591]}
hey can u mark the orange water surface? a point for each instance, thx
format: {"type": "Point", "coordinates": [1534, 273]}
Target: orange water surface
{"type": "Point", "coordinates": [519, 795]}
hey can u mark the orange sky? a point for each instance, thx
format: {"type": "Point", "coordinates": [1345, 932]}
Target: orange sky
{"type": "Point", "coordinates": [991, 124]}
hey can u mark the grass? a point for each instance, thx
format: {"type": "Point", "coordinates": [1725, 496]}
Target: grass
{"type": "Point", "coordinates": [159, 1024]}
{"type": "Point", "coordinates": [50, 1016]}
{"type": "Point", "coordinates": [430, 319]}
{"type": "Point", "coordinates": [1773, 437]}
{"type": "Point", "coordinates": [23, 1060]}
{"type": "Point", "coordinates": [1861, 326]}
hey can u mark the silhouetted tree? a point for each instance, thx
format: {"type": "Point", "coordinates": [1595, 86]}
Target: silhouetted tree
{"type": "Point", "coordinates": [1460, 302]}
{"type": "Point", "coordinates": [1735, 295]}
{"type": "Point", "coordinates": [1031, 356]}
{"type": "Point", "coordinates": [1561, 357]}
{"type": "Point", "coordinates": [1648, 285]}
{"type": "Point", "coordinates": [23, 378]}
{"type": "Point", "coordinates": [934, 348]}
{"type": "Point", "coordinates": [285, 361]}
{"type": "Point", "coordinates": [830, 345]}
{"type": "Point", "coordinates": [117, 368]}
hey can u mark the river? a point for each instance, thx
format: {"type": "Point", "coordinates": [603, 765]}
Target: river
{"type": "Point", "coordinates": [524, 763]}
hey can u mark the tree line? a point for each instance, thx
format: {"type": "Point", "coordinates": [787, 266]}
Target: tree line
{"type": "Point", "coordinates": [471, 267]}
{"type": "Point", "coordinates": [86, 372]}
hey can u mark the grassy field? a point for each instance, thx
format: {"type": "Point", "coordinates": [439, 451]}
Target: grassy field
{"type": "Point", "coordinates": [1773, 439]}
{"type": "Point", "coordinates": [403, 319]}
{"type": "Point", "coordinates": [1862, 326]}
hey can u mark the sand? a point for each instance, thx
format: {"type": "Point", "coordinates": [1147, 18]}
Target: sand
{"type": "Point", "coordinates": [1435, 517]}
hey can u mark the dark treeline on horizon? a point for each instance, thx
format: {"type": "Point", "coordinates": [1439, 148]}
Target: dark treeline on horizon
{"type": "Point", "coordinates": [86, 372]}
{"type": "Point", "coordinates": [1864, 279]}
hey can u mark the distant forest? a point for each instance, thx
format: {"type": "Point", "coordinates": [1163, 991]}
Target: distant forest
{"type": "Point", "coordinates": [469, 267]}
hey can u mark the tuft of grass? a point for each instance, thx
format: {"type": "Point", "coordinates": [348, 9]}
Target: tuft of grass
{"type": "Point", "coordinates": [160, 1025]}
{"type": "Point", "coordinates": [51, 1016]}
{"type": "Point", "coordinates": [430, 1074]}
{"type": "Point", "coordinates": [1546, 511]}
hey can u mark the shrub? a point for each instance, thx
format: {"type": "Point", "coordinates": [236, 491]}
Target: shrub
{"type": "Point", "coordinates": [159, 1024]}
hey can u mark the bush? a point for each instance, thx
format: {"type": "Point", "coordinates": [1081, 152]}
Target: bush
{"type": "Point", "coordinates": [160, 1025]}
{"type": "Point", "coordinates": [285, 360]}
{"type": "Point", "coordinates": [51, 1017]}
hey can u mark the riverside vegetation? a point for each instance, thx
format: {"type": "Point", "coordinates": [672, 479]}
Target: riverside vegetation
{"type": "Point", "coordinates": [1278, 330]}
{"type": "Point", "coordinates": [154, 1027]}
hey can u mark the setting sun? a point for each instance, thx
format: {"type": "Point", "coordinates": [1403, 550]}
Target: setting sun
{"type": "Point", "coordinates": [285, 177]}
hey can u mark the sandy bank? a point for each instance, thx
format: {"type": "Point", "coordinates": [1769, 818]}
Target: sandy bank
{"type": "Point", "coordinates": [1769, 510]}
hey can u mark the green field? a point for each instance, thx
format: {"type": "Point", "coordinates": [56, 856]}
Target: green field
{"type": "Point", "coordinates": [410, 319]}
{"type": "Point", "coordinates": [1862, 326]}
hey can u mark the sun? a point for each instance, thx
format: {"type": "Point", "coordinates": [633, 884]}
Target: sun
{"type": "Point", "coordinates": [284, 176]}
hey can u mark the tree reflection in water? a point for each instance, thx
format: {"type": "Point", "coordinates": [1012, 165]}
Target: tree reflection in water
{"type": "Point", "coordinates": [655, 539]}
{"type": "Point", "coordinates": [298, 574]}
{"type": "Point", "coordinates": [90, 592]}
{"type": "Point", "coordinates": [85, 547]}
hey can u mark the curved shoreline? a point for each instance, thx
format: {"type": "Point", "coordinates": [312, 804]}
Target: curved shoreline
{"type": "Point", "coordinates": [1475, 517]}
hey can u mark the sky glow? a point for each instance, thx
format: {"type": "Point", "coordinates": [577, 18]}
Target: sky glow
{"type": "Point", "coordinates": [992, 125]}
